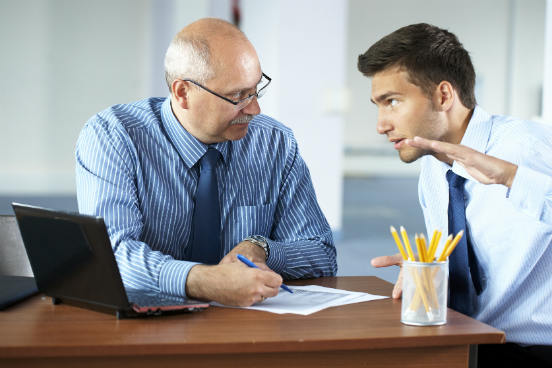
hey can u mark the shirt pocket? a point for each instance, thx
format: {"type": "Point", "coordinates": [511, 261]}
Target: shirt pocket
{"type": "Point", "coordinates": [251, 220]}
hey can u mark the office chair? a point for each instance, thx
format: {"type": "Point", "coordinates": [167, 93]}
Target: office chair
{"type": "Point", "coordinates": [13, 257]}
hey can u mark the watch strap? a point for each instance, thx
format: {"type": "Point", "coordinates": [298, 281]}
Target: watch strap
{"type": "Point", "coordinates": [260, 241]}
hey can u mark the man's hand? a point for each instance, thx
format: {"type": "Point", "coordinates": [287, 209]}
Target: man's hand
{"type": "Point", "coordinates": [386, 261]}
{"type": "Point", "coordinates": [232, 284]}
{"type": "Point", "coordinates": [249, 250]}
{"type": "Point", "coordinates": [484, 168]}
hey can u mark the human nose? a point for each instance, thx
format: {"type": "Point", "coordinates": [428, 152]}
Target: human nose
{"type": "Point", "coordinates": [383, 125]}
{"type": "Point", "coordinates": [252, 108]}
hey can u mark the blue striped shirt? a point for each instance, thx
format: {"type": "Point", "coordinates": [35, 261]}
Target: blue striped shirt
{"type": "Point", "coordinates": [510, 230]}
{"type": "Point", "coordinates": [136, 168]}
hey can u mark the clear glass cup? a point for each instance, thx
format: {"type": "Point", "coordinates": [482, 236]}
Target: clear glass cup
{"type": "Point", "coordinates": [424, 293]}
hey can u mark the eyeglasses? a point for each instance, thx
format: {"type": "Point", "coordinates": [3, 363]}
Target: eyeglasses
{"type": "Point", "coordinates": [241, 103]}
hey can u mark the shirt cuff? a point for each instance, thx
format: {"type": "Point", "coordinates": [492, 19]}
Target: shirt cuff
{"type": "Point", "coordinates": [529, 189]}
{"type": "Point", "coordinates": [173, 276]}
{"type": "Point", "coordinates": [277, 259]}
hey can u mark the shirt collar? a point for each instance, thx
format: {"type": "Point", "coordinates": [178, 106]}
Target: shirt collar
{"type": "Point", "coordinates": [188, 146]}
{"type": "Point", "coordinates": [476, 137]}
{"type": "Point", "coordinates": [478, 131]}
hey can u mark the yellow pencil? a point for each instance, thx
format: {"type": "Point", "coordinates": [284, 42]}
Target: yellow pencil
{"type": "Point", "coordinates": [424, 248]}
{"type": "Point", "coordinates": [398, 241]}
{"type": "Point", "coordinates": [434, 243]}
{"type": "Point", "coordinates": [433, 237]}
{"type": "Point", "coordinates": [420, 290]}
{"type": "Point", "coordinates": [419, 248]}
{"type": "Point", "coordinates": [442, 257]}
{"type": "Point", "coordinates": [407, 244]}
{"type": "Point", "coordinates": [454, 243]}
{"type": "Point", "coordinates": [428, 276]}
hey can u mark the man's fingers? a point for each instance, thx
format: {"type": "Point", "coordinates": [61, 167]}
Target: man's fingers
{"type": "Point", "coordinates": [272, 279]}
{"type": "Point", "coordinates": [267, 284]}
{"type": "Point", "coordinates": [419, 142]}
{"type": "Point", "coordinates": [226, 259]}
{"type": "Point", "coordinates": [436, 146]}
{"type": "Point", "coordinates": [397, 289]}
{"type": "Point", "coordinates": [386, 261]}
{"type": "Point", "coordinates": [269, 292]}
{"type": "Point", "coordinates": [263, 266]}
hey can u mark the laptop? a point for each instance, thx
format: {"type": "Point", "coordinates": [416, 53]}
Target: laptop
{"type": "Point", "coordinates": [73, 262]}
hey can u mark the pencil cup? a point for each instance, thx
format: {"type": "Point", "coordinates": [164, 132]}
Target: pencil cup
{"type": "Point", "coordinates": [424, 295]}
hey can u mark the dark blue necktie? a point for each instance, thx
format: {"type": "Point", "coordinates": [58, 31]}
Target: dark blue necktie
{"type": "Point", "coordinates": [466, 279]}
{"type": "Point", "coordinates": [206, 221]}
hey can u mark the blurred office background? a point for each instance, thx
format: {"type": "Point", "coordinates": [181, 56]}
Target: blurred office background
{"type": "Point", "coordinates": [64, 60]}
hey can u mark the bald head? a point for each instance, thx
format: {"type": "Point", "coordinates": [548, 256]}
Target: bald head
{"type": "Point", "coordinates": [200, 49]}
{"type": "Point", "coordinates": [210, 28]}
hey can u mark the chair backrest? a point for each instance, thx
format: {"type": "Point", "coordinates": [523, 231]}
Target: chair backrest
{"type": "Point", "coordinates": [13, 257]}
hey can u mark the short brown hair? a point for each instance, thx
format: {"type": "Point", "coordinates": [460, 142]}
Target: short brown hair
{"type": "Point", "coordinates": [429, 54]}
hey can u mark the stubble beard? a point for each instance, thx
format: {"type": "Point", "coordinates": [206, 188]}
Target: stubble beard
{"type": "Point", "coordinates": [410, 154]}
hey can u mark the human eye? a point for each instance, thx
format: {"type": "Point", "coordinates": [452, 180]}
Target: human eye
{"type": "Point", "coordinates": [392, 102]}
{"type": "Point", "coordinates": [235, 95]}
{"type": "Point", "coordinates": [239, 95]}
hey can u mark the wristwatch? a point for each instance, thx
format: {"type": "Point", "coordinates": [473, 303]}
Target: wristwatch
{"type": "Point", "coordinates": [260, 241]}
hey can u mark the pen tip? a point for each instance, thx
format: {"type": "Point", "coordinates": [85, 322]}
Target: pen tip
{"type": "Point", "coordinates": [392, 229]}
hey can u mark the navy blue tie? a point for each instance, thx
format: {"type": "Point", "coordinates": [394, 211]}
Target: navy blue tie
{"type": "Point", "coordinates": [206, 221]}
{"type": "Point", "coordinates": [465, 275]}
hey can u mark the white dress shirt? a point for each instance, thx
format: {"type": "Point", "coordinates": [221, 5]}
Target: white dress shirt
{"type": "Point", "coordinates": [510, 229]}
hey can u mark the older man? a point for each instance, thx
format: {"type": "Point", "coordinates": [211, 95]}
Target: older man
{"type": "Point", "coordinates": [186, 183]}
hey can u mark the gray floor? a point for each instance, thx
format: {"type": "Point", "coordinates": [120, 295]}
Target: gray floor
{"type": "Point", "coordinates": [370, 205]}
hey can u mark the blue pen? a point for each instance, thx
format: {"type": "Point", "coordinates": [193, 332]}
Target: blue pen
{"type": "Point", "coordinates": [253, 265]}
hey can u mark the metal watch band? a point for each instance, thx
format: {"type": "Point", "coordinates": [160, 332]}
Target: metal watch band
{"type": "Point", "coordinates": [260, 241]}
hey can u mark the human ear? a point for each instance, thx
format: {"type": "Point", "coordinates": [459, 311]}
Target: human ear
{"type": "Point", "coordinates": [444, 96]}
{"type": "Point", "coordinates": [180, 91]}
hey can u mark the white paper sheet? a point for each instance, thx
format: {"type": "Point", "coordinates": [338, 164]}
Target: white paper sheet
{"type": "Point", "coordinates": [309, 299]}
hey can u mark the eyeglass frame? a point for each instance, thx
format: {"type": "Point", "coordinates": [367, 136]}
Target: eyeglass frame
{"type": "Point", "coordinates": [235, 103]}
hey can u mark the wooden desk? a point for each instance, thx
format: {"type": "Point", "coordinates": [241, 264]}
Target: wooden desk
{"type": "Point", "coordinates": [37, 333]}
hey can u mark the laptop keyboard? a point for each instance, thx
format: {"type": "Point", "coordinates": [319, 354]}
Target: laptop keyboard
{"type": "Point", "coordinates": [145, 298]}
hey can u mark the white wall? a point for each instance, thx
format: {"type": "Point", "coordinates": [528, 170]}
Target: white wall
{"type": "Point", "coordinates": [64, 60]}
{"type": "Point", "coordinates": [504, 38]}
{"type": "Point", "coordinates": [301, 45]}
{"type": "Point", "coordinates": [547, 88]}
{"type": "Point", "coordinates": [527, 61]}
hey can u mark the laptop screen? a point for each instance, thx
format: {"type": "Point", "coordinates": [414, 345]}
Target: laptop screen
{"type": "Point", "coordinates": [72, 260]}
{"type": "Point", "coordinates": [71, 256]}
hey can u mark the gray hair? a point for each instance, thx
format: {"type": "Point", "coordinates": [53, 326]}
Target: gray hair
{"type": "Point", "coordinates": [188, 58]}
